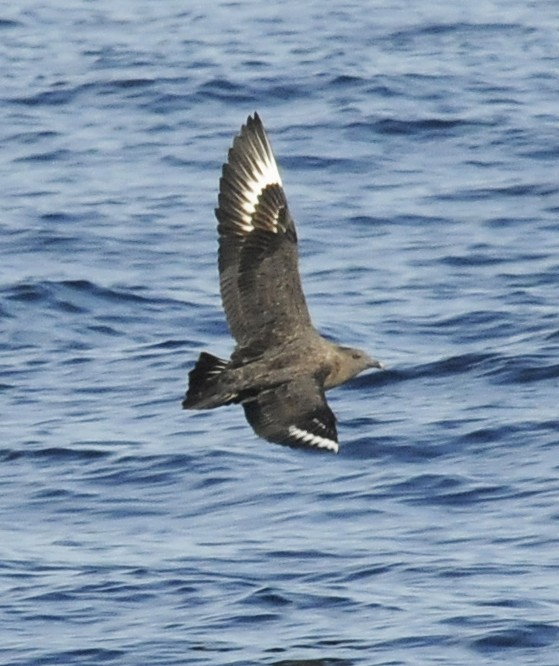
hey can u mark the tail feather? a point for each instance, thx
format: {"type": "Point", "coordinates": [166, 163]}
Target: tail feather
{"type": "Point", "coordinates": [203, 392]}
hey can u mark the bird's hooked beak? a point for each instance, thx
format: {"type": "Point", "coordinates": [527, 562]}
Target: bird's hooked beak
{"type": "Point", "coordinates": [373, 363]}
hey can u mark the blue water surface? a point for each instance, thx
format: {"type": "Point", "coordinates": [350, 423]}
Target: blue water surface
{"type": "Point", "coordinates": [419, 145]}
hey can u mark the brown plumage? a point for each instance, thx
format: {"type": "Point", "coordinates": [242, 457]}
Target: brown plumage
{"type": "Point", "coordinates": [281, 366]}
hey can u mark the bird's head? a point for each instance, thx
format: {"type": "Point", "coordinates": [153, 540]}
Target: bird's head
{"type": "Point", "coordinates": [349, 363]}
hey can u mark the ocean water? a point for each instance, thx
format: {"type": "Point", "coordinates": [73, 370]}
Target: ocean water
{"type": "Point", "coordinates": [419, 145]}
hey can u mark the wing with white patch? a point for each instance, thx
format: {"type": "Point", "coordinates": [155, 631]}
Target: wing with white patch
{"type": "Point", "coordinates": [294, 414]}
{"type": "Point", "coordinates": [258, 257]}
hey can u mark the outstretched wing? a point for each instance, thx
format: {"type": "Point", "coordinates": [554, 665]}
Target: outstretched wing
{"type": "Point", "coordinates": [295, 414]}
{"type": "Point", "coordinates": [258, 258]}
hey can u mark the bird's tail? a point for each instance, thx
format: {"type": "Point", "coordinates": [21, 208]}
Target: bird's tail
{"type": "Point", "coordinates": [204, 391]}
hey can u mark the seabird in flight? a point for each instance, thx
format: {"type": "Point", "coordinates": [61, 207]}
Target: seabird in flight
{"type": "Point", "coordinates": [281, 366]}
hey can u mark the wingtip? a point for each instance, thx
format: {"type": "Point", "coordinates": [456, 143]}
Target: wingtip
{"type": "Point", "coordinates": [254, 120]}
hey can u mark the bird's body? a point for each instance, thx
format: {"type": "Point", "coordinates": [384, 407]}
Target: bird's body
{"type": "Point", "coordinates": [281, 365]}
